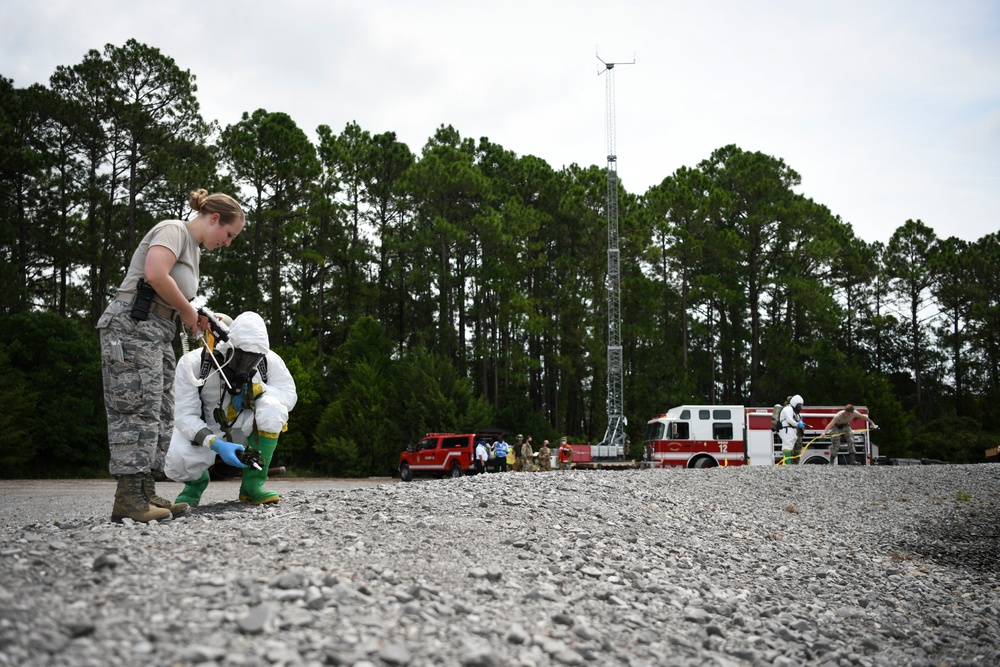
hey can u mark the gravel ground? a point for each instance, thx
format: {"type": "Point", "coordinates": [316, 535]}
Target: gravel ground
{"type": "Point", "coordinates": [63, 501]}
{"type": "Point", "coordinates": [810, 565]}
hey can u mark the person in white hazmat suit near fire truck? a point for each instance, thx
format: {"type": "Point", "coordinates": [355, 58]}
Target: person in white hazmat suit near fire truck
{"type": "Point", "coordinates": [245, 404]}
{"type": "Point", "coordinates": [789, 425]}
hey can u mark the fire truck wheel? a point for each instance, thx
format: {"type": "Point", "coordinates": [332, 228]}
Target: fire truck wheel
{"type": "Point", "coordinates": [405, 473]}
{"type": "Point", "coordinates": [704, 462]}
{"type": "Point", "coordinates": [456, 471]}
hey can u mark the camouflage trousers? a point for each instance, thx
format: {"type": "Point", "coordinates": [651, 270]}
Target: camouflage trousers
{"type": "Point", "coordinates": [138, 368]}
{"type": "Point", "coordinates": [842, 440]}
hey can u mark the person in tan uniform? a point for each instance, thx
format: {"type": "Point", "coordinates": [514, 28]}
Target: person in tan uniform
{"type": "Point", "coordinates": [840, 428]}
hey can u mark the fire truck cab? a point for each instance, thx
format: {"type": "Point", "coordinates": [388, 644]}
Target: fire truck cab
{"type": "Point", "coordinates": [706, 436]}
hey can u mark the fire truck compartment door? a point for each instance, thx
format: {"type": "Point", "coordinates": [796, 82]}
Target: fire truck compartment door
{"type": "Point", "coordinates": [760, 447]}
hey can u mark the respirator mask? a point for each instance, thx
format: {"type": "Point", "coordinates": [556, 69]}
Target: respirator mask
{"type": "Point", "coordinates": [240, 369]}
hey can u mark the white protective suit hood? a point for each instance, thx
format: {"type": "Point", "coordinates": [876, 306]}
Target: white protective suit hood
{"type": "Point", "coordinates": [796, 401]}
{"type": "Point", "coordinates": [249, 334]}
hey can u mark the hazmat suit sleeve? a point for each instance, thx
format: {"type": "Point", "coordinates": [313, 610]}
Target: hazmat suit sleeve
{"type": "Point", "coordinates": [185, 462]}
{"type": "Point", "coordinates": [280, 385]}
{"type": "Point", "coordinates": [188, 411]}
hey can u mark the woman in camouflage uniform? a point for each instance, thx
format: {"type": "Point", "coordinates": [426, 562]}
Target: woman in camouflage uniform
{"type": "Point", "coordinates": [137, 331]}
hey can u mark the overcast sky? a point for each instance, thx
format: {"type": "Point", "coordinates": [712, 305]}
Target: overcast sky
{"type": "Point", "coordinates": [889, 110]}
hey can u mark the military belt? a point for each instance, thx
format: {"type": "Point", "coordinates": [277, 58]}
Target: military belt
{"type": "Point", "coordinates": [157, 308]}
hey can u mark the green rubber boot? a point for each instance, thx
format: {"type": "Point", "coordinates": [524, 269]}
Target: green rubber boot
{"type": "Point", "coordinates": [786, 457]}
{"type": "Point", "coordinates": [191, 493]}
{"type": "Point", "coordinates": [252, 489]}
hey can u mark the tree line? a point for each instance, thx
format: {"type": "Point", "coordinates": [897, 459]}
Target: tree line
{"type": "Point", "coordinates": [465, 286]}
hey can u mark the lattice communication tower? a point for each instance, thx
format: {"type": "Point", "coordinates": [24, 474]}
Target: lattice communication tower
{"type": "Point", "coordinates": [614, 437]}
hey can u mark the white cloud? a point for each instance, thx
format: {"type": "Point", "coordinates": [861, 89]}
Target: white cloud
{"type": "Point", "coordinates": [888, 110]}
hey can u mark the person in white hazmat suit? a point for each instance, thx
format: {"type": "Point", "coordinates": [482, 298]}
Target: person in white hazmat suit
{"type": "Point", "coordinates": [247, 403]}
{"type": "Point", "coordinates": [789, 425]}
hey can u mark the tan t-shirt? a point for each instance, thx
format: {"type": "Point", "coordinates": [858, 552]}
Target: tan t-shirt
{"type": "Point", "coordinates": [173, 235]}
{"type": "Point", "coordinates": [843, 418]}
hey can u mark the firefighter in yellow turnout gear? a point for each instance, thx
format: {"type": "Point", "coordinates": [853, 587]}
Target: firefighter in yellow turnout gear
{"type": "Point", "coordinates": [238, 399]}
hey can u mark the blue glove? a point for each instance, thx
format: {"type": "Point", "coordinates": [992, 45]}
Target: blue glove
{"type": "Point", "coordinates": [227, 450]}
{"type": "Point", "coordinates": [237, 401]}
{"type": "Point", "coordinates": [802, 425]}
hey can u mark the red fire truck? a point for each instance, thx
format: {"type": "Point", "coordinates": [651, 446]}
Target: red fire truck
{"type": "Point", "coordinates": [706, 436]}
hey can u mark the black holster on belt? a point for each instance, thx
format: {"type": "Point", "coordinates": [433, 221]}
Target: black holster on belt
{"type": "Point", "coordinates": [143, 299]}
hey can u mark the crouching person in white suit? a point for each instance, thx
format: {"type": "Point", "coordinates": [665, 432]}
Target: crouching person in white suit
{"type": "Point", "coordinates": [247, 403]}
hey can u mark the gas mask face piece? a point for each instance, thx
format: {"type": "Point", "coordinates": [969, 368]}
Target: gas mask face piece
{"type": "Point", "coordinates": [241, 368]}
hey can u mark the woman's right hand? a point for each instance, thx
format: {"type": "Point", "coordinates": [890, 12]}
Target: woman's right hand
{"type": "Point", "coordinates": [193, 321]}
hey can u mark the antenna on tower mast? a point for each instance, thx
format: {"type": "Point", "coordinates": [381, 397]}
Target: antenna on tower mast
{"type": "Point", "coordinates": [613, 444]}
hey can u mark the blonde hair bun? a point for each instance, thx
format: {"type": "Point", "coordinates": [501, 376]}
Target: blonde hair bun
{"type": "Point", "coordinates": [197, 199]}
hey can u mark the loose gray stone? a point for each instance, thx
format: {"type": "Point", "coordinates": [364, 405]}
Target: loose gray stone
{"type": "Point", "coordinates": [876, 567]}
{"type": "Point", "coordinates": [395, 654]}
{"type": "Point", "coordinates": [107, 561]}
{"type": "Point", "coordinates": [257, 619]}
